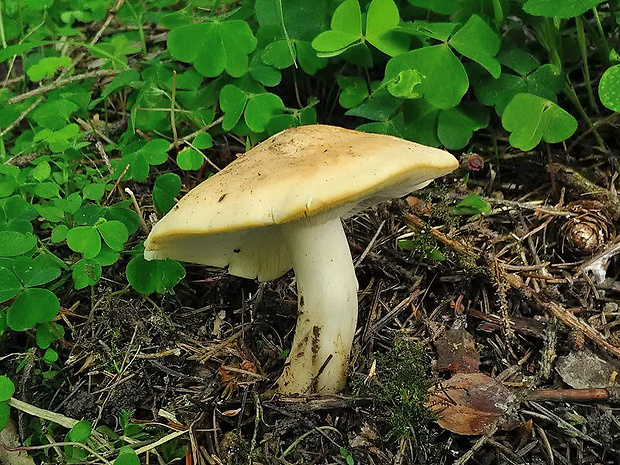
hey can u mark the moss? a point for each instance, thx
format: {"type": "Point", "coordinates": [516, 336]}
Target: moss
{"type": "Point", "coordinates": [400, 388]}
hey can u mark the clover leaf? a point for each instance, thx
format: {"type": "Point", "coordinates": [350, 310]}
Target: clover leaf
{"type": "Point", "coordinates": [85, 272]}
{"type": "Point", "coordinates": [10, 286]}
{"type": "Point", "coordinates": [471, 205]}
{"type": "Point", "coordinates": [545, 81]}
{"type": "Point", "coordinates": [189, 159]}
{"type": "Point", "coordinates": [260, 109]}
{"type": "Point", "coordinates": [48, 333]}
{"type": "Point", "coordinates": [166, 188]}
{"type": "Point", "coordinates": [555, 9]}
{"type": "Point", "coordinates": [281, 54]}
{"type": "Point", "coordinates": [140, 156]}
{"type": "Point", "coordinates": [159, 276]}
{"type": "Point", "coordinates": [444, 80]}
{"type": "Point", "coordinates": [456, 126]}
{"type": "Point", "coordinates": [443, 7]}
{"type": "Point", "coordinates": [382, 20]}
{"type": "Point", "coordinates": [13, 243]}
{"type": "Point", "coordinates": [609, 88]}
{"type": "Point", "coordinates": [114, 234]}
{"type": "Point", "coordinates": [214, 47]}
{"type": "Point", "coordinates": [478, 42]}
{"type": "Point", "coordinates": [47, 67]}
{"type": "Point", "coordinates": [35, 271]}
{"type": "Point", "coordinates": [85, 240]}
{"type": "Point", "coordinates": [257, 108]}
{"type": "Point", "coordinates": [32, 306]}
{"type": "Point", "coordinates": [381, 23]}
{"type": "Point", "coordinates": [60, 140]}
{"type": "Point", "coordinates": [345, 32]}
{"type": "Point", "coordinates": [7, 388]}
{"type": "Point", "coordinates": [406, 84]}
{"type": "Point", "coordinates": [353, 91]}
{"type": "Point", "coordinates": [531, 118]}
{"type": "Point", "coordinates": [435, 30]}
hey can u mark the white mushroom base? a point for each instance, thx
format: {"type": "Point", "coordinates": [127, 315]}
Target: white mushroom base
{"type": "Point", "coordinates": [327, 313]}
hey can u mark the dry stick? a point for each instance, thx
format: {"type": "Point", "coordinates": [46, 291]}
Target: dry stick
{"type": "Point", "coordinates": [555, 309]}
{"type": "Point", "coordinates": [415, 222]}
{"type": "Point", "coordinates": [611, 394]}
{"type": "Point", "coordinates": [21, 116]}
{"type": "Point", "coordinates": [570, 320]}
{"type": "Point", "coordinates": [596, 264]}
{"type": "Point", "coordinates": [577, 181]}
{"type": "Point", "coordinates": [118, 181]}
{"type": "Point", "coordinates": [562, 314]}
{"type": "Point", "coordinates": [136, 207]}
{"type": "Point", "coordinates": [62, 82]}
{"type": "Point", "coordinates": [57, 444]}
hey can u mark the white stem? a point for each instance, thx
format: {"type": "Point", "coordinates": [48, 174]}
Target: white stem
{"type": "Point", "coordinates": [327, 313]}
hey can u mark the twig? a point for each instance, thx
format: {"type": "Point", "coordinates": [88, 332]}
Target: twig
{"type": "Point", "coordinates": [143, 225]}
{"type": "Point", "coordinates": [21, 116]}
{"type": "Point", "coordinates": [414, 222]}
{"type": "Point", "coordinates": [576, 395]}
{"type": "Point", "coordinates": [57, 444]}
{"type": "Point", "coordinates": [62, 82]}
{"type": "Point", "coordinates": [577, 181]}
{"type": "Point", "coordinates": [562, 314]}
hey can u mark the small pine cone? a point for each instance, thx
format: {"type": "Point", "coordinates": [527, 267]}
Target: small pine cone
{"type": "Point", "coordinates": [588, 228]}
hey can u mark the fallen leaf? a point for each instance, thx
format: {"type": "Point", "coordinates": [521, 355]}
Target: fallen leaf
{"type": "Point", "coordinates": [468, 403]}
{"type": "Point", "coordinates": [456, 352]}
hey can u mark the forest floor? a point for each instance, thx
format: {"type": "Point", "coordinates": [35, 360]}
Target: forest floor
{"type": "Point", "coordinates": [497, 315]}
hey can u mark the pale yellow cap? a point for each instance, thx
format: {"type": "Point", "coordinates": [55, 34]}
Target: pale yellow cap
{"type": "Point", "coordinates": [307, 173]}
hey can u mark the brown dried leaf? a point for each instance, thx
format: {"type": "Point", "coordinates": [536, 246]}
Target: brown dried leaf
{"type": "Point", "coordinates": [456, 352]}
{"type": "Point", "coordinates": [468, 403]}
{"type": "Point", "coordinates": [231, 413]}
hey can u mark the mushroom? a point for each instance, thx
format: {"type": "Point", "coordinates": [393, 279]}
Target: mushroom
{"type": "Point", "coordinates": [278, 207]}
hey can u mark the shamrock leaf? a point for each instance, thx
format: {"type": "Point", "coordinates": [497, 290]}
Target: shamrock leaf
{"type": "Point", "coordinates": [346, 30]}
{"type": "Point", "coordinates": [353, 91]}
{"type": "Point", "coordinates": [47, 67]}
{"type": "Point", "coordinates": [455, 126]}
{"type": "Point", "coordinates": [159, 276]}
{"type": "Point", "coordinates": [555, 9]}
{"type": "Point", "coordinates": [214, 47]}
{"type": "Point", "coordinates": [444, 80]}
{"type": "Point", "coordinates": [406, 84]}
{"type": "Point", "coordinates": [166, 188]}
{"type": "Point", "coordinates": [530, 118]}
{"type": "Point", "coordinates": [609, 88]}
{"type": "Point", "coordinates": [477, 41]}
{"type": "Point", "coordinates": [85, 240]}
{"type": "Point", "coordinates": [545, 81]}
{"type": "Point", "coordinates": [381, 23]}
{"type": "Point", "coordinates": [189, 159]}
{"type": "Point", "coordinates": [32, 306]}
{"type": "Point", "coordinates": [85, 272]}
{"type": "Point", "coordinates": [257, 108]}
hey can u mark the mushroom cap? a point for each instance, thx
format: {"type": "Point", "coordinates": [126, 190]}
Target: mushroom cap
{"type": "Point", "coordinates": [306, 173]}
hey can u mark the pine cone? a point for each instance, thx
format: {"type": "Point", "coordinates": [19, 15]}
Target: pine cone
{"type": "Point", "coordinates": [588, 228]}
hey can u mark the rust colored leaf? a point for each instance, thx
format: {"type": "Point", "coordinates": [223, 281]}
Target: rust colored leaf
{"type": "Point", "coordinates": [468, 403]}
{"type": "Point", "coordinates": [456, 352]}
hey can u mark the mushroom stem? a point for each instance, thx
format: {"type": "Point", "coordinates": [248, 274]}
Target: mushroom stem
{"type": "Point", "coordinates": [327, 312]}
